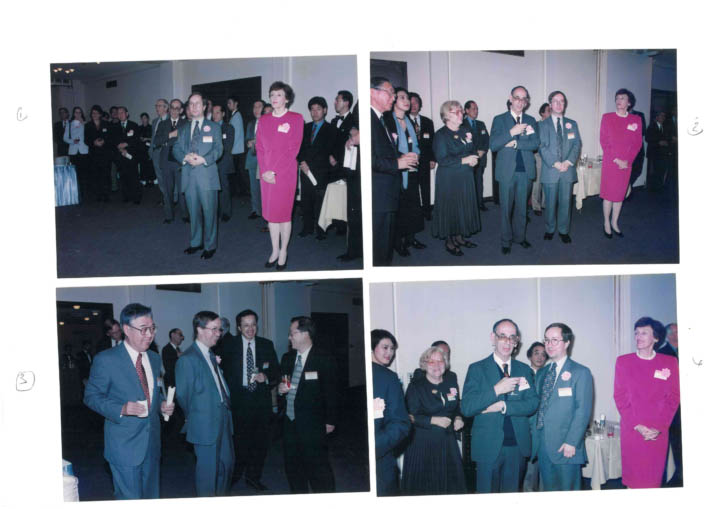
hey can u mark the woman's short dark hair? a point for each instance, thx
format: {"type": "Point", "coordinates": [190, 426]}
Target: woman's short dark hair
{"type": "Point", "coordinates": [657, 328]}
{"type": "Point", "coordinates": [397, 93]}
{"type": "Point", "coordinates": [377, 335]}
{"type": "Point", "coordinates": [96, 107]}
{"type": "Point", "coordinates": [630, 96]}
{"type": "Point", "coordinates": [567, 333]}
{"type": "Point", "coordinates": [289, 94]}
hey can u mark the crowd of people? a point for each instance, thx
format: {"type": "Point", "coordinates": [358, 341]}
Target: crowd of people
{"type": "Point", "coordinates": [221, 394]}
{"type": "Point", "coordinates": [200, 154]}
{"type": "Point", "coordinates": [528, 422]}
{"type": "Point", "coordinates": [535, 163]}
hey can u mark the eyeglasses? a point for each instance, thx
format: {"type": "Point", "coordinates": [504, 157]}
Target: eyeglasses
{"type": "Point", "coordinates": [177, 108]}
{"type": "Point", "coordinates": [435, 363]}
{"type": "Point", "coordinates": [388, 92]}
{"type": "Point", "coordinates": [553, 341]}
{"type": "Point", "coordinates": [219, 330]}
{"type": "Point", "coordinates": [145, 330]}
{"type": "Point", "coordinates": [520, 99]}
{"type": "Point", "coordinates": [455, 112]}
{"type": "Point", "coordinates": [513, 339]}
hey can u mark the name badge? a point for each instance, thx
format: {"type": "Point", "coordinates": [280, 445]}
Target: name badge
{"type": "Point", "coordinates": [104, 130]}
{"type": "Point", "coordinates": [450, 397]}
{"type": "Point", "coordinates": [482, 132]}
{"type": "Point", "coordinates": [311, 375]}
{"type": "Point", "coordinates": [224, 136]}
{"type": "Point", "coordinates": [659, 374]}
{"type": "Point", "coordinates": [130, 133]}
{"type": "Point", "coordinates": [207, 139]}
{"type": "Point", "coordinates": [426, 136]}
{"type": "Point", "coordinates": [565, 392]}
{"type": "Point", "coordinates": [571, 136]}
{"type": "Point", "coordinates": [266, 365]}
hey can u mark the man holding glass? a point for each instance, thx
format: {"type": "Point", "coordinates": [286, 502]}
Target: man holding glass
{"type": "Point", "coordinates": [123, 388]}
{"type": "Point", "coordinates": [566, 394]}
{"type": "Point", "coordinates": [499, 394]}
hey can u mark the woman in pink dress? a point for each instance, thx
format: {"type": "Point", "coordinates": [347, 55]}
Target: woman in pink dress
{"type": "Point", "coordinates": [278, 140]}
{"type": "Point", "coordinates": [621, 140]}
{"type": "Point", "coordinates": [647, 395]}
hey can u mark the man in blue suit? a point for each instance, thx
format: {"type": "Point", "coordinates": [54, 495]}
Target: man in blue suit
{"type": "Point", "coordinates": [123, 388]}
{"type": "Point", "coordinates": [499, 394]}
{"type": "Point", "coordinates": [566, 394]}
{"type": "Point", "coordinates": [514, 136]}
{"type": "Point", "coordinates": [198, 147]}
{"type": "Point", "coordinates": [392, 423]}
{"type": "Point", "coordinates": [559, 149]}
{"type": "Point", "coordinates": [204, 396]}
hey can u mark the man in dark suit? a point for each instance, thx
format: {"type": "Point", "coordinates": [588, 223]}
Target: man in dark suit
{"type": "Point", "coordinates": [252, 371]}
{"type": "Point", "coordinates": [425, 132]}
{"type": "Point", "coordinates": [164, 140]}
{"type": "Point", "coordinates": [514, 137]}
{"type": "Point", "coordinates": [251, 162]}
{"type": "Point", "coordinates": [559, 149]}
{"type": "Point", "coordinates": [659, 152]}
{"type": "Point", "coordinates": [123, 388]}
{"type": "Point", "coordinates": [481, 140]}
{"type": "Point", "coordinates": [387, 165]}
{"type": "Point", "coordinates": [126, 140]}
{"type": "Point", "coordinates": [637, 165]}
{"type": "Point", "coordinates": [310, 412]}
{"type": "Point", "coordinates": [670, 347]}
{"type": "Point", "coordinates": [198, 147]}
{"type": "Point", "coordinates": [84, 360]}
{"type": "Point", "coordinates": [161, 108]}
{"type": "Point", "coordinates": [61, 148]}
{"type": "Point", "coordinates": [392, 423]}
{"type": "Point", "coordinates": [499, 395]}
{"type": "Point", "coordinates": [565, 388]}
{"type": "Point", "coordinates": [314, 158]}
{"type": "Point", "coordinates": [225, 163]}
{"type": "Point", "coordinates": [170, 355]}
{"type": "Point", "coordinates": [204, 396]}
{"type": "Point", "coordinates": [113, 336]}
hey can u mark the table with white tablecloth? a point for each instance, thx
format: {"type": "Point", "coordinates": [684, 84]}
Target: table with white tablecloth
{"type": "Point", "coordinates": [334, 204]}
{"type": "Point", "coordinates": [66, 185]}
{"type": "Point", "coordinates": [605, 460]}
{"type": "Point", "coordinates": [588, 183]}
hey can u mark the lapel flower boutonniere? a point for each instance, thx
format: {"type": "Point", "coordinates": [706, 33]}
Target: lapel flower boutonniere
{"type": "Point", "coordinates": [218, 359]}
{"type": "Point", "coordinates": [284, 128]}
{"type": "Point", "coordinates": [468, 136]}
{"type": "Point", "coordinates": [568, 125]}
{"type": "Point", "coordinates": [453, 391]}
{"type": "Point", "coordinates": [206, 128]}
{"type": "Point", "coordinates": [394, 135]}
{"type": "Point", "coordinates": [566, 376]}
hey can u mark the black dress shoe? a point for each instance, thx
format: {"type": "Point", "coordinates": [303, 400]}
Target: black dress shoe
{"type": "Point", "coordinates": [455, 251]}
{"type": "Point", "coordinates": [283, 266]}
{"type": "Point", "coordinates": [565, 238]}
{"type": "Point", "coordinates": [619, 234]}
{"type": "Point", "coordinates": [417, 244]}
{"type": "Point", "coordinates": [549, 236]}
{"type": "Point", "coordinates": [607, 235]}
{"type": "Point", "coordinates": [270, 265]}
{"type": "Point", "coordinates": [192, 250]}
{"type": "Point", "coordinates": [346, 257]}
{"type": "Point", "coordinates": [256, 485]}
{"type": "Point", "coordinates": [186, 219]}
{"type": "Point", "coordinates": [254, 215]}
{"type": "Point", "coordinates": [167, 221]}
{"type": "Point", "coordinates": [225, 218]}
{"type": "Point", "coordinates": [505, 250]}
{"type": "Point", "coordinates": [206, 255]}
{"type": "Point", "coordinates": [525, 244]}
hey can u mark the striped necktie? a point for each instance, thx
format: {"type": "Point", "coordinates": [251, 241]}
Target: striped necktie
{"type": "Point", "coordinates": [294, 381]}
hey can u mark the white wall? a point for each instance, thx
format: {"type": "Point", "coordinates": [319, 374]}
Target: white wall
{"type": "Point", "coordinates": [309, 76]}
{"type": "Point", "coordinates": [487, 78]}
{"type": "Point", "coordinates": [463, 312]}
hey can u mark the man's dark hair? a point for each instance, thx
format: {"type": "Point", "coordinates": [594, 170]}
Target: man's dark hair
{"type": "Point", "coordinates": [416, 96]}
{"type": "Point", "coordinates": [532, 347]}
{"type": "Point", "coordinates": [305, 324]}
{"type": "Point", "coordinates": [347, 97]}
{"type": "Point", "coordinates": [201, 319]}
{"type": "Point", "coordinates": [320, 101]}
{"type": "Point", "coordinates": [468, 103]}
{"type": "Point", "coordinates": [495, 326]}
{"type": "Point", "coordinates": [567, 333]}
{"type": "Point", "coordinates": [376, 81]}
{"type": "Point", "coordinates": [109, 324]}
{"type": "Point", "coordinates": [543, 108]}
{"type": "Point", "coordinates": [243, 314]}
{"type": "Point", "coordinates": [133, 311]}
{"type": "Point", "coordinates": [556, 92]}
{"type": "Point", "coordinates": [172, 331]}
{"type": "Point", "coordinates": [440, 342]}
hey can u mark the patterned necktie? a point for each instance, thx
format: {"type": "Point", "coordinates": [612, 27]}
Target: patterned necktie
{"type": "Point", "coordinates": [559, 138]}
{"type": "Point", "coordinates": [174, 123]}
{"type": "Point", "coordinates": [546, 392]}
{"type": "Point", "coordinates": [416, 125]}
{"type": "Point", "coordinates": [195, 138]}
{"type": "Point", "coordinates": [143, 377]}
{"type": "Point", "coordinates": [294, 381]}
{"type": "Point", "coordinates": [506, 373]}
{"type": "Point", "coordinates": [250, 367]}
{"type": "Point", "coordinates": [223, 394]}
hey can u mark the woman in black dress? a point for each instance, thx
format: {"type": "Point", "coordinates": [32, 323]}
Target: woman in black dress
{"type": "Point", "coordinates": [432, 463]}
{"type": "Point", "coordinates": [147, 172]}
{"type": "Point", "coordinates": [410, 218]}
{"type": "Point", "coordinates": [97, 138]}
{"type": "Point", "coordinates": [455, 215]}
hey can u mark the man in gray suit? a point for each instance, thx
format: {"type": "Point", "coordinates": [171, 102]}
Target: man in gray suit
{"type": "Point", "coordinates": [251, 160]}
{"type": "Point", "coordinates": [169, 174]}
{"type": "Point", "coordinates": [161, 108]}
{"type": "Point", "coordinates": [514, 137]}
{"type": "Point", "coordinates": [559, 149]}
{"type": "Point", "coordinates": [225, 163]}
{"type": "Point", "coordinates": [198, 147]}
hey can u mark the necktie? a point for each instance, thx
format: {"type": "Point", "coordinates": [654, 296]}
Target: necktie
{"type": "Point", "coordinates": [294, 381]}
{"type": "Point", "coordinates": [195, 138]}
{"type": "Point", "coordinates": [506, 373]}
{"type": "Point", "coordinates": [416, 124]}
{"type": "Point", "coordinates": [223, 394]}
{"type": "Point", "coordinates": [174, 123]}
{"type": "Point", "coordinates": [316, 128]}
{"type": "Point", "coordinates": [545, 396]}
{"type": "Point", "coordinates": [472, 123]}
{"type": "Point", "coordinates": [143, 378]}
{"type": "Point", "coordinates": [559, 138]}
{"type": "Point", "coordinates": [250, 367]}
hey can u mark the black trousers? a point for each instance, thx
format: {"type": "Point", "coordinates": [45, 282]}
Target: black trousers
{"type": "Point", "coordinates": [239, 181]}
{"type": "Point", "coordinates": [307, 464]}
{"type": "Point", "coordinates": [311, 199]}
{"type": "Point", "coordinates": [383, 235]}
{"type": "Point", "coordinates": [355, 239]}
{"type": "Point", "coordinates": [252, 430]}
{"type": "Point", "coordinates": [129, 180]}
